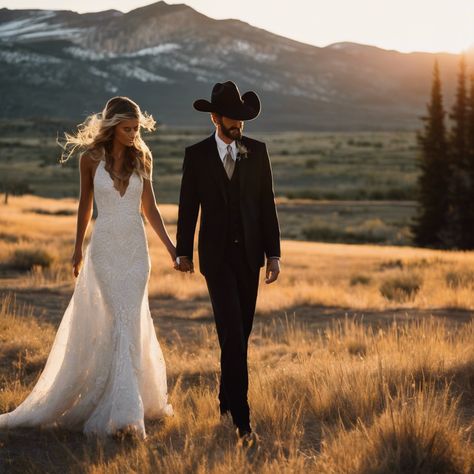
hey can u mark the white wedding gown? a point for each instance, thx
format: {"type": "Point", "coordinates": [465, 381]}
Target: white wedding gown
{"type": "Point", "coordinates": [105, 371]}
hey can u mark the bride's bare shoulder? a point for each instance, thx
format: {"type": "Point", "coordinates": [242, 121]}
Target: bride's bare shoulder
{"type": "Point", "coordinates": [89, 162]}
{"type": "Point", "coordinates": [92, 156]}
{"type": "Point", "coordinates": [90, 159]}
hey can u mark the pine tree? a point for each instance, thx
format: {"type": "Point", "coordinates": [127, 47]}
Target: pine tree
{"type": "Point", "coordinates": [434, 177]}
{"type": "Point", "coordinates": [470, 162]}
{"type": "Point", "coordinates": [456, 234]}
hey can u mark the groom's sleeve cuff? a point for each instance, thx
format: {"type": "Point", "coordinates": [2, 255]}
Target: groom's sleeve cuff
{"type": "Point", "coordinates": [185, 256]}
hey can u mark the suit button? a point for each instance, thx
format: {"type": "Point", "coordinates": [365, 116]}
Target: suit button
{"type": "Point", "coordinates": [236, 241]}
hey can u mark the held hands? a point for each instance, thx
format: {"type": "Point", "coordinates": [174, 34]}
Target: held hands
{"type": "Point", "coordinates": [172, 252]}
{"type": "Point", "coordinates": [76, 261]}
{"type": "Point", "coordinates": [184, 264]}
{"type": "Point", "coordinates": [273, 270]}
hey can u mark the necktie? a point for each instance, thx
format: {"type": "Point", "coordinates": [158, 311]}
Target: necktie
{"type": "Point", "coordinates": [229, 163]}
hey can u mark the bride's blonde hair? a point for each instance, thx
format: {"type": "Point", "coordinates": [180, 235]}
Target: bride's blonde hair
{"type": "Point", "coordinates": [95, 137]}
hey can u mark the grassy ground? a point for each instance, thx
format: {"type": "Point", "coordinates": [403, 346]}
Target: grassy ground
{"type": "Point", "coordinates": [349, 276]}
{"type": "Point", "coordinates": [361, 359]}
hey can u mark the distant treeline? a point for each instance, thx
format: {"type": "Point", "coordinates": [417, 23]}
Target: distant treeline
{"type": "Point", "coordinates": [445, 216]}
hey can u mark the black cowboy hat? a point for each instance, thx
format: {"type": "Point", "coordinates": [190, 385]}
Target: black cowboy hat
{"type": "Point", "coordinates": [226, 101]}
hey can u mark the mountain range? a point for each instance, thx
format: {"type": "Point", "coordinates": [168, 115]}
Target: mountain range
{"type": "Point", "coordinates": [65, 64]}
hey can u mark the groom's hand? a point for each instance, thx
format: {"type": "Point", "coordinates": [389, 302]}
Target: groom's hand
{"type": "Point", "coordinates": [185, 265]}
{"type": "Point", "coordinates": [273, 270]}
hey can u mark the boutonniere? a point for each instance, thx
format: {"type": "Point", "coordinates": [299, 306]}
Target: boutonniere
{"type": "Point", "coordinates": [242, 151]}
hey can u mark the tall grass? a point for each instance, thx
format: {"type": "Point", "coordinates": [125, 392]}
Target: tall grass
{"type": "Point", "coordinates": [401, 402]}
{"type": "Point", "coordinates": [327, 397]}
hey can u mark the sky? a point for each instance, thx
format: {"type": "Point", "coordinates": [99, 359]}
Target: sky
{"type": "Point", "coordinates": [404, 25]}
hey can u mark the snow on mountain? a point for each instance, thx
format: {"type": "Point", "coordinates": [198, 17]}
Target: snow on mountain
{"type": "Point", "coordinates": [154, 50]}
{"type": "Point", "coordinates": [137, 72]}
{"type": "Point", "coordinates": [18, 57]}
{"type": "Point", "coordinates": [55, 33]}
{"type": "Point", "coordinates": [86, 54]}
{"type": "Point", "coordinates": [19, 27]}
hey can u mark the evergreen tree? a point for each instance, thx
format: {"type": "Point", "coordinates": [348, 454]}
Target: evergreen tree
{"type": "Point", "coordinates": [433, 181]}
{"type": "Point", "coordinates": [456, 234]}
{"type": "Point", "coordinates": [470, 162]}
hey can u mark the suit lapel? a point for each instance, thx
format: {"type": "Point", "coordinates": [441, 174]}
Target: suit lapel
{"type": "Point", "coordinates": [216, 167]}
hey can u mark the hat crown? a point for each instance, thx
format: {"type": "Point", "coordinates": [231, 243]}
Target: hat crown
{"type": "Point", "coordinates": [226, 93]}
{"type": "Point", "coordinates": [227, 101]}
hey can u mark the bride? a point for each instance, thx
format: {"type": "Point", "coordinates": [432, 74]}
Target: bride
{"type": "Point", "coordinates": [105, 372]}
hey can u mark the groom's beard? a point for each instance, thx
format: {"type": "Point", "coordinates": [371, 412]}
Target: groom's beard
{"type": "Point", "coordinates": [232, 133]}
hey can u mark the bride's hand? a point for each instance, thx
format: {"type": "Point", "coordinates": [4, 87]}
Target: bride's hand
{"type": "Point", "coordinates": [77, 261]}
{"type": "Point", "coordinates": [172, 253]}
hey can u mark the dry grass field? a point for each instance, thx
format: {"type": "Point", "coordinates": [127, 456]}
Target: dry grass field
{"type": "Point", "coordinates": [361, 359]}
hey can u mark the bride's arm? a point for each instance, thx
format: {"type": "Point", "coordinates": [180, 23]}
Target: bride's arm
{"type": "Point", "coordinates": [153, 215]}
{"type": "Point", "coordinates": [84, 212]}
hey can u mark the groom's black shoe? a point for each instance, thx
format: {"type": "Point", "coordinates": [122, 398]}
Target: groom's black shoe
{"type": "Point", "coordinates": [248, 440]}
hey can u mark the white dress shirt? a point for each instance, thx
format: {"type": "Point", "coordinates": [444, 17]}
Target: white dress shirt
{"type": "Point", "coordinates": [222, 147]}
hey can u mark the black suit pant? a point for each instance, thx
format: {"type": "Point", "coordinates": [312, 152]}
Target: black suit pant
{"type": "Point", "coordinates": [233, 292]}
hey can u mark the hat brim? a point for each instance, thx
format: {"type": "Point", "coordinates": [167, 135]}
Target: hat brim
{"type": "Point", "coordinates": [203, 105]}
{"type": "Point", "coordinates": [247, 110]}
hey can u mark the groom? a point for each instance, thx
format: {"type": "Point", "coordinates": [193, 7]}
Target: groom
{"type": "Point", "coordinates": [229, 176]}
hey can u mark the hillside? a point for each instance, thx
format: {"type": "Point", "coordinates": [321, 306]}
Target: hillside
{"type": "Point", "coordinates": [64, 64]}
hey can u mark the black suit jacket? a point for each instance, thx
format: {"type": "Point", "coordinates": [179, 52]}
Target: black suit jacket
{"type": "Point", "coordinates": [204, 185]}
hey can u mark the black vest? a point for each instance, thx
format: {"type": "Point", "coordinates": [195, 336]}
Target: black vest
{"type": "Point", "coordinates": [236, 232]}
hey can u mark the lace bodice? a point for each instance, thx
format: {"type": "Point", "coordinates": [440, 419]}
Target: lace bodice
{"type": "Point", "coordinates": [108, 198]}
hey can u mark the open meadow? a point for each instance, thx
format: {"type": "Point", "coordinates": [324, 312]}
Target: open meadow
{"type": "Point", "coordinates": [348, 187]}
{"type": "Point", "coordinates": [311, 165]}
{"type": "Point", "coordinates": [361, 359]}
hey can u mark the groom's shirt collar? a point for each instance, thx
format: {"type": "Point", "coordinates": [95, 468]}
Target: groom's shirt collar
{"type": "Point", "coordinates": [222, 147]}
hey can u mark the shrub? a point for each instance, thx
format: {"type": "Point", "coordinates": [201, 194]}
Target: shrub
{"type": "Point", "coordinates": [323, 233]}
{"type": "Point", "coordinates": [6, 237]}
{"type": "Point", "coordinates": [26, 259]}
{"type": "Point", "coordinates": [390, 264]}
{"type": "Point", "coordinates": [304, 194]}
{"type": "Point", "coordinates": [59, 212]}
{"type": "Point", "coordinates": [401, 288]}
{"type": "Point", "coordinates": [461, 279]}
{"type": "Point", "coordinates": [422, 435]}
{"type": "Point", "coordinates": [317, 232]}
{"type": "Point", "coordinates": [360, 280]}
{"type": "Point", "coordinates": [371, 230]}
{"type": "Point", "coordinates": [357, 348]}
